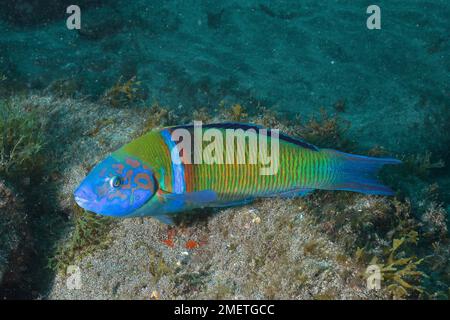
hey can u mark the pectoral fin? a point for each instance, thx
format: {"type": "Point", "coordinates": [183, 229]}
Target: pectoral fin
{"type": "Point", "coordinates": [198, 197]}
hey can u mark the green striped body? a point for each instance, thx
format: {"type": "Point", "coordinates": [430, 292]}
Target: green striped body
{"type": "Point", "coordinates": [299, 168]}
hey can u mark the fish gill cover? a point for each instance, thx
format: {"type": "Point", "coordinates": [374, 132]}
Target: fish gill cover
{"type": "Point", "coordinates": [69, 97]}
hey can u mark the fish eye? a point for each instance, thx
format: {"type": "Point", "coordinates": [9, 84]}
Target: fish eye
{"type": "Point", "coordinates": [115, 181]}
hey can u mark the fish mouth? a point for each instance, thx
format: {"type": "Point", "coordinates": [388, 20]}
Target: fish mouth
{"type": "Point", "coordinates": [81, 201]}
{"type": "Point", "coordinates": [82, 198]}
{"type": "Point", "coordinates": [87, 204]}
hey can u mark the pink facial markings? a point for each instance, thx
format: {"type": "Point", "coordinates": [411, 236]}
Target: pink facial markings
{"type": "Point", "coordinates": [136, 180]}
{"type": "Point", "coordinates": [127, 180]}
{"type": "Point", "coordinates": [101, 190]}
{"type": "Point", "coordinates": [117, 194]}
{"type": "Point", "coordinates": [136, 186]}
{"type": "Point", "coordinates": [116, 187]}
{"type": "Point", "coordinates": [119, 167]}
{"type": "Point", "coordinates": [143, 181]}
{"type": "Point", "coordinates": [133, 163]}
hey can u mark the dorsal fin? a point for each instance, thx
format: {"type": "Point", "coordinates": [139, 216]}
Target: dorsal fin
{"type": "Point", "coordinates": [246, 126]}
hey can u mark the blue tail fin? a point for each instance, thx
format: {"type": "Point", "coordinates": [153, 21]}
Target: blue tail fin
{"type": "Point", "coordinates": [358, 173]}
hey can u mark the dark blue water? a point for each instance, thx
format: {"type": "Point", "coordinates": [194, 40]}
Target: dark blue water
{"type": "Point", "coordinates": [295, 56]}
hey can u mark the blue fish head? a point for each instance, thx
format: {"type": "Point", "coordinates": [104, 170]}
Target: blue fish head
{"type": "Point", "coordinates": [116, 187]}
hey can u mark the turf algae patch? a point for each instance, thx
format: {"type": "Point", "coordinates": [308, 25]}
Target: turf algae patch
{"type": "Point", "coordinates": [21, 140]}
{"type": "Point", "coordinates": [90, 233]}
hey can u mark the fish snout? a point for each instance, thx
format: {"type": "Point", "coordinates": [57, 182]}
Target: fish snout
{"type": "Point", "coordinates": [83, 197]}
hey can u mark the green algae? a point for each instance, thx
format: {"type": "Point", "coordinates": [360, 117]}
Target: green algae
{"type": "Point", "coordinates": [123, 93]}
{"type": "Point", "coordinates": [90, 233]}
{"type": "Point", "coordinates": [400, 273]}
{"type": "Point", "coordinates": [157, 116]}
{"type": "Point", "coordinates": [157, 265]}
{"type": "Point", "coordinates": [21, 140]}
{"type": "Point", "coordinates": [325, 130]}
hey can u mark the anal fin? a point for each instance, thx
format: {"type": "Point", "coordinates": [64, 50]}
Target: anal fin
{"type": "Point", "coordinates": [198, 197]}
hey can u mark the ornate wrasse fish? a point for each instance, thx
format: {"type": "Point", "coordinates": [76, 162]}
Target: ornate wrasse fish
{"type": "Point", "coordinates": [153, 176]}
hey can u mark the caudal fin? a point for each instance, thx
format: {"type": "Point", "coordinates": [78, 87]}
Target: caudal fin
{"type": "Point", "coordinates": [358, 173]}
